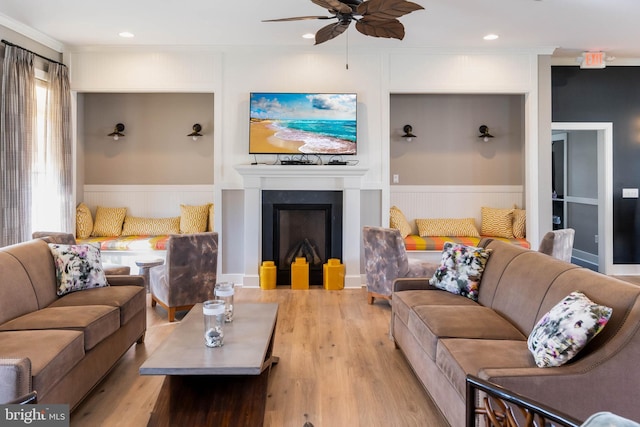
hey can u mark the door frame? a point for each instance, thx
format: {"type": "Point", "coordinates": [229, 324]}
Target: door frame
{"type": "Point", "coordinates": [605, 186]}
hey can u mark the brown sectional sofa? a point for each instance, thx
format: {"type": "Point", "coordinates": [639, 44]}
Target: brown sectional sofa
{"type": "Point", "coordinates": [445, 337]}
{"type": "Point", "coordinates": [61, 346]}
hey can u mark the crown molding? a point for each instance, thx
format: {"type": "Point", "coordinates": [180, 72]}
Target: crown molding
{"type": "Point", "coordinates": [31, 33]}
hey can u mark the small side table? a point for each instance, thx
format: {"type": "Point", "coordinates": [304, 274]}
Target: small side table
{"type": "Point", "coordinates": [144, 265]}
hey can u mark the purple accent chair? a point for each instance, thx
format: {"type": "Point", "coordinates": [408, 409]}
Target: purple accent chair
{"type": "Point", "coordinates": [385, 260]}
{"type": "Point", "coordinates": [188, 275]}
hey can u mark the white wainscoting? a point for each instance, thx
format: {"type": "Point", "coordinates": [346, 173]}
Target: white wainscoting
{"type": "Point", "coordinates": [453, 201]}
{"type": "Point", "coordinates": [154, 201]}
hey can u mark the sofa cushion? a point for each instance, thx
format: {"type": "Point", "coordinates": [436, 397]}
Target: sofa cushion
{"type": "Point", "coordinates": [134, 226]}
{"type": "Point", "coordinates": [565, 329]}
{"type": "Point", "coordinates": [398, 221]}
{"type": "Point", "coordinates": [457, 357]}
{"type": "Point", "coordinates": [96, 321]}
{"type": "Point", "coordinates": [431, 323]}
{"type": "Point", "coordinates": [84, 221]}
{"type": "Point", "coordinates": [129, 299]}
{"type": "Point", "coordinates": [447, 227]}
{"type": "Point", "coordinates": [78, 267]}
{"type": "Point", "coordinates": [460, 270]}
{"type": "Point", "coordinates": [53, 353]}
{"type": "Point", "coordinates": [404, 301]}
{"type": "Point", "coordinates": [497, 222]}
{"type": "Point", "coordinates": [108, 221]}
{"type": "Point", "coordinates": [193, 219]}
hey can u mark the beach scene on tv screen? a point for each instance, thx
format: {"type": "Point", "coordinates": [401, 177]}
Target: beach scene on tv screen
{"type": "Point", "coordinates": [302, 123]}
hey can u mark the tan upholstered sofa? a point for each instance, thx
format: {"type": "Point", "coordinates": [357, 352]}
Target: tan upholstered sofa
{"type": "Point", "coordinates": [445, 336]}
{"type": "Point", "coordinates": [61, 346]}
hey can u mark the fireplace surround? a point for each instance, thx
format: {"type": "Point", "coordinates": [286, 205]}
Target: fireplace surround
{"type": "Point", "coordinates": [301, 224]}
{"type": "Point", "coordinates": [344, 179]}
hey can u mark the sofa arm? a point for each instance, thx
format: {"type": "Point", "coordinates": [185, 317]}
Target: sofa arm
{"type": "Point", "coordinates": [412, 284]}
{"type": "Point", "coordinates": [126, 280]}
{"type": "Point", "coordinates": [15, 378]}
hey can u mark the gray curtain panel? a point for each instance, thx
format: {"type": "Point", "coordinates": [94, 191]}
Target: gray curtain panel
{"type": "Point", "coordinates": [18, 112]}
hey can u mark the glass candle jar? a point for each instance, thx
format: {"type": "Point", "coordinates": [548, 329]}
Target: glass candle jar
{"type": "Point", "coordinates": [224, 291]}
{"type": "Point", "coordinates": [213, 313]}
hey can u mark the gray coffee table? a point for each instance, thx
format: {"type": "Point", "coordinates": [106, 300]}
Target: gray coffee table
{"type": "Point", "coordinates": [215, 386]}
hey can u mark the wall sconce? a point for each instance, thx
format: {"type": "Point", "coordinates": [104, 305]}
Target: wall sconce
{"type": "Point", "coordinates": [408, 135]}
{"type": "Point", "coordinates": [484, 133]}
{"type": "Point", "coordinates": [196, 132]}
{"type": "Point", "coordinates": [117, 131]}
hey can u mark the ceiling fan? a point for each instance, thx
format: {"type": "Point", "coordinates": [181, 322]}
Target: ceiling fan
{"type": "Point", "coordinates": [376, 18]}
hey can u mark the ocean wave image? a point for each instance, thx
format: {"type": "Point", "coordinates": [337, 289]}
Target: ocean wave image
{"type": "Point", "coordinates": [319, 136]}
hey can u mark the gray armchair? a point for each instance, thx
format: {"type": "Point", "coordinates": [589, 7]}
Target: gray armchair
{"type": "Point", "coordinates": [385, 259]}
{"type": "Point", "coordinates": [188, 275]}
{"type": "Point", "coordinates": [558, 244]}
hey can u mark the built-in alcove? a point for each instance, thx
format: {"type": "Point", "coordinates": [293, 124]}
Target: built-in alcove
{"type": "Point", "coordinates": [301, 223]}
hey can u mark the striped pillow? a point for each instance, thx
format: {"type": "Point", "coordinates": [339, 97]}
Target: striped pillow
{"type": "Point", "coordinates": [398, 221]}
{"type": "Point", "coordinates": [193, 219]}
{"type": "Point", "coordinates": [84, 221]}
{"type": "Point", "coordinates": [447, 227]}
{"type": "Point", "coordinates": [497, 222]}
{"type": "Point", "coordinates": [134, 226]}
{"type": "Point", "coordinates": [108, 222]}
{"type": "Point", "coordinates": [519, 223]}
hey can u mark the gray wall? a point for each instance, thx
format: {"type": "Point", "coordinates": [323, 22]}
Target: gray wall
{"type": "Point", "coordinates": [447, 150]}
{"type": "Point", "coordinates": [155, 149]}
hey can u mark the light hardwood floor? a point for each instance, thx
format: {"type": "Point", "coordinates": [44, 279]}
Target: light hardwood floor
{"type": "Point", "coordinates": [337, 367]}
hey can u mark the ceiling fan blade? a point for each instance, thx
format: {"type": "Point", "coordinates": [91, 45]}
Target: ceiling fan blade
{"type": "Point", "coordinates": [297, 18]}
{"type": "Point", "coordinates": [333, 5]}
{"type": "Point", "coordinates": [386, 9]}
{"type": "Point", "coordinates": [330, 31]}
{"type": "Point", "coordinates": [391, 29]}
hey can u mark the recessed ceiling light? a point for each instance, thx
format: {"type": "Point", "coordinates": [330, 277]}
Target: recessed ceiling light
{"type": "Point", "coordinates": [308, 36]}
{"type": "Point", "coordinates": [491, 37]}
{"type": "Point", "coordinates": [126, 34]}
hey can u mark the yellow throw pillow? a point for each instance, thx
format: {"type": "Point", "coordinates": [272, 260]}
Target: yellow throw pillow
{"type": "Point", "coordinates": [497, 222]}
{"type": "Point", "coordinates": [519, 223]}
{"type": "Point", "coordinates": [453, 227]}
{"type": "Point", "coordinates": [135, 226]}
{"type": "Point", "coordinates": [84, 221]}
{"type": "Point", "coordinates": [398, 221]}
{"type": "Point", "coordinates": [108, 221]}
{"type": "Point", "coordinates": [210, 223]}
{"type": "Point", "coordinates": [193, 219]}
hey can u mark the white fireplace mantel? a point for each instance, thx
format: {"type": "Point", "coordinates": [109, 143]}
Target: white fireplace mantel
{"type": "Point", "coordinates": [347, 179]}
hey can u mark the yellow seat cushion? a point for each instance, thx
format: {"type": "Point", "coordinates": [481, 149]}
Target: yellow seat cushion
{"type": "Point", "coordinates": [108, 221]}
{"type": "Point", "coordinates": [497, 222]}
{"type": "Point", "coordinates": [447, 227]}
{"type": "Point", "coordinates": [398, 221]}
{"type": "Point", "coordinates": [519, 223]}
{"type": "Point", "coordinates": [193, 219]}
{"type": "Point", "coordinates": [84, 221]}
{"type": "Point", "coordinates": [134, 226]}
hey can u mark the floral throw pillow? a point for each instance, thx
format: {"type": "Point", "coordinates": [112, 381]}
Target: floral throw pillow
{"type": "Point", "coordinates": [566, 329]}
{"type": "Point", "coordinates": [78, 267]}
{"type": "Point", "coordinates": [461, 269]}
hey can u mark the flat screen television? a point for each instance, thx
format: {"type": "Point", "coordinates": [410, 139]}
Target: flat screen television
{"type": "Point", "coordinates": [302, 123]}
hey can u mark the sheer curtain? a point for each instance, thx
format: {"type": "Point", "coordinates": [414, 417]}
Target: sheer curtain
{"type": "Point", "coordinates": [51, 173]}
{"type": "Point", "coordinates": [35, 160]}
{"type": "Point", "coordinates": [18, 119]}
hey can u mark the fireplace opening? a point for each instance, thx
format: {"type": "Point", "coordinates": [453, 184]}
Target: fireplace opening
{"type": "Point", "coordinates": [301, 224]}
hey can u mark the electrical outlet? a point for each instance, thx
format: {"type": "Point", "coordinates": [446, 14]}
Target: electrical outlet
{"type": "Point", "coordinates": [396, 178]}
{"type": "Point", "coordinates": [629, 193]}
{"type": "Point", "coordinates": [596, 238]}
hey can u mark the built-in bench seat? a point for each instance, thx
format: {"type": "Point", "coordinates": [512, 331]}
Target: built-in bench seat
{"type": "Point", "coordinates": [140, 243]}
{"type": "Point", "coordinates": [413, 242]}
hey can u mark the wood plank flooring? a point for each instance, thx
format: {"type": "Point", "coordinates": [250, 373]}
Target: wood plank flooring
{"type": "Point", "coordinates": [337, 367]}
